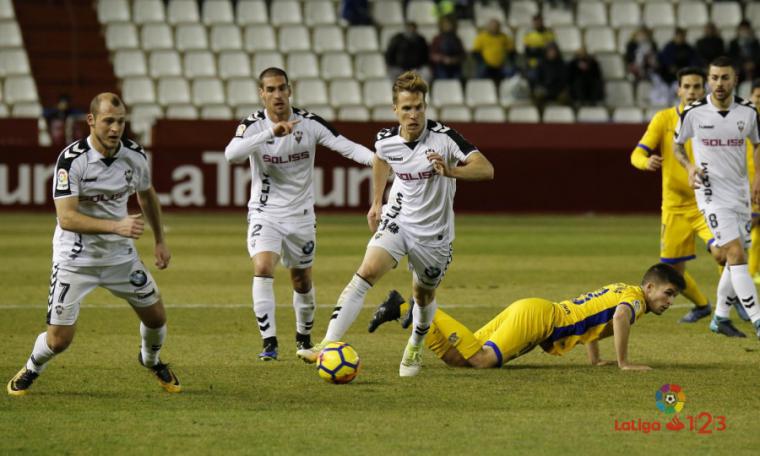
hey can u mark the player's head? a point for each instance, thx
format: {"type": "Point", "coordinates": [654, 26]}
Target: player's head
{"type": "Point", "coordinates": [274, 90]}
{"type": "Point", "coordinates": [107, 118]}
{"type": "Point", "coordinates": [721, 77]}
{"type": "Point", "coordinates": [754, 93]}
{"type": "Point", "coordinates": [661, 284]}
{"type": "Point", "coordinates": [691, 84]}
{"type": "Point", "coordinates": [409, 102]}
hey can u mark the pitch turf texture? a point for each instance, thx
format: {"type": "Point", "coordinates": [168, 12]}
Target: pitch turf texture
{"type": "Point", "coordinates": [95, 399]}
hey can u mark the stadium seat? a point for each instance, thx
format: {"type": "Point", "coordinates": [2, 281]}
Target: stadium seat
{"type": "Point", "coordinates": [752, 14]}
{"type": "Point", "coordinates": [294, 38]}
{"type": "Point", "coordinates": [173, 90]}
{"type": "Point", "coordinates": [599, 39]}
{"type": "Point", "coordinates": [182, 111]}
{"type": "Point", "coordinates": [302, 64]}
{"type": "Point", "coordinates": [428, 32]}
{"type": "Point", "coordinates": [523, 114]}
{"type": "Point", "coordinates": [618, 93]}
{"type": "Point", "coordinates": [327, 38]}
{"type": "Point", "coordinates": [142, 117]}
{"type": "Point", "coordinates": [259, 37]}
{"type": "Point", "coordinates": [421, 11]}
{"type": "Point", "coordinates": [310, 92]}
{"type": "Point", "coordinates": [558, 114]}
{"type": "Point", "coordinates": [3, 108]}
{"type": "Point", "coordinates": [353, 114]}
{"type": "Point", "coordinates": [744, 89]}
{"type": "Point", "coordinates": [369, 65]}
{"type": "Point", "coordinates": [591, 14]}
{"type": "Point", "coordinates": [659, 14]}
{"type": "Point", "coordinates": [568, 38]}
{"type": "Point", "coordinates": [19, 89]}
{"type": "Point", "coordinates": [208, 91]}
{"type": "Point", "coordinates": [319, 12]}
{"type": "Point", "coordinates": [467, 33]}
{"type": "Point", "coordinates": [336, 65]}
{"type": "Point", "coordinates": [386, 114]}
{"type": "Point", "coordinates": [156, 36]}
{"type": "Point", "coordinates": [480, 92]}
{"type": "Point", "coordinates": [625, 13]}
{"type": "Point", "coordinates": [129, 62]}
{"type": "Point", "coordinates": [690, 14]}
{"type": "Point", "coordinates": [10, 34]}
{"type": "Point", "coordinates": [242, 92]}
{"type": "Point", "coordinates": [521, 13]}
{"type": "Point", "coordinates": [164, 63]}
{"type": "Point", "coordinates": [485, 12]}
{"type": "Point", "coordinates": [662, 35]}
{"type": "Point", "coordinates": [252, 12]}
{"type": "Point", "coordinates": [446, 92]}
{"type": "Point", "coordinates": [322, 110]}
{"type": "Point", "coordinates": [387, 13]}
{"type": "Point", "coordinates": [554, 16]}
{"type": "Point", "coordinates": [727, 14]}
{"type": "Point", "coordinates": [199, 64]}
{"type": "Point", "coordinates": [225, 37]}
{"type": "Point", "coordinates": [624, 34]}
{"type": "Point", "coordinates": [264, 60]}
{"type": "Point", "coordinates": [182, 12]}
{"type": "Point", "coordinates": [388, 32]}
{"type": "Point", "coordinates": [345, 92]}
{"type": "Point", "coordinates": [26, 110]}
{"type": "Point", "coordinates": [592, 114]}
{"type": "Point", "coordinates": [148, 11]}
{"type": "Point", "coordinates": [234, 64]}
{"type": "Point", "coordinates": [216, 112]}
{"type": "Point", "coordinates": [120, 35]}
{"type": "Point", "coordinates": [627, 114]}
{"type": "Point", "coordinates": [217, 12]}
{"type": "Point", "coordinates": [113, 11]}
{"type": "Point", "coordinates": [643, 94]}
{"type": "Point", "coordinates": [191, 37]}
{"type": "Point", "coordinates": [455, 114]}
{"type": "Point", "coordinates": [14, 61]}
{"type": "Point", "coordinates": [489, 114]}
{"type": "Point", "coordinates": [243, 111]}
{"type": "Point", "coordinates": [361, 38]}
{"type": "Point", "coordinates": [6, 10]}
{"type": "Point", "coordinates": [377, 92]}
{"type": "Point", "coordinates": [612, 65]}
{"type": "Point", "coordinates": [137, 90]}
{"type": "Point", "coordinates": [285, 12]}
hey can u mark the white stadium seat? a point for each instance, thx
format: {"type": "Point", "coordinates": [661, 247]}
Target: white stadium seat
{"type": "Point", "coordinates": [591, 13]}
{"type": "Point", "coordinates": [523, 114]}
{"type": "Point", "coordinates": [252, 12]}
{"type": "Point", "coordinates": [10, 34]}
{"type": "Point", "coordinates": [690, 14]}
{"type": "Point", "coordinates": [521, 13]}
{"type": "Point", "coordinates": [592, 114]}
{"type": "Point", "coordinates": [138, 90]}
{"type": "Point", "coordinates": [217, 12]}
{"type": "Point", "coordinates": [554, 16]}
{"type": "Point", "coordinates": [264, 60]}
{"type": "Point", "coordinates": [327, 38]}
{"type": "Point", "coordinates": [625, 13]}
{"type": "Point", "coordinates": [322, 110]}
{"type": "Point", "coordinates": [147, 11]}
{"type": "Point", "coordinates": [208, 91]}
{"type": "Point", "coordinates": [259, 37]}
{"type": "Point", "coordinates": [455, 114]}
{"type": "Point", "coordinates": [242, 92]}
{"type": "Point", "coordinates": [285, 12]}
{"type": "Point", "coordinates": [480, 92]}
{"type": "Point", "coordinates": [618, 93]}
{"type": "Point", "coordinates": [627, 114]}
{"type": "Point", "coordinates": [199, 64]}
{"type": "Point", "coordinates": [361, 38]}
{"type": "Point", "coordinates": [489, 114]}
{"type": "Point", "coordinates": [659, 14]}
{"type": "Point", "coordinates": [662, 35]}
{"type": "Point", "coordinates": [234, 64]}
{"type": "Point", "coordinates": [727, 14]}
{"type": "Point", "coordinates": [643, 94]}
{"type": "Point", "coordinates": [484, 12]}
{"type": "Point", "coordinates": [624, 34]}
{"type": "Point", "coordinates": [368, 65]}
{"type": "Point", "coordinates": [345, 92]}
{"type": "Point", "coordinates": [120, 35]}
{"type": "Point", "coordinates": [182, 12]}
{"type": "Point", "coordinates": [294, 38]}
{"type": "Point", "coordinates": [612, 65]}
{"type": "Point", "coordinates": [599, 39]}
{"type": "Point", "coordinates": [216, 112]}
{"type": "Point", "coordinates": [335, 65]}
{"type": "Point", "coordinates": [388, 32]}
{"type": "Point", "coordinates": [19, 89]}
{"type": "Point", "coordinates": [156, 36]}
{"type": "Point", "coordinates": [386, 114]}
{"type": "Point", "coordinates": [388, 13]}
{"type": "Point", "coordinates": [309, 92]}
{"type": "Point", "coordinates": [26, 110]}
{"type": "Point", "coordinates": [302, 64]}
{"type": "Point", "coordinates": [165, 63]}
{"type": "Point", "coordinates": [246, 110]}
{"type": "Point", "coordinates": [6, 10]}
{"type": "Point", "coordinates": [113, 11]}
{"type": "Point", "coordinates": [142, 117]}
{"type": "Point", "coordinates": [568, 38]}
{"type": "Point", "coordinates": [129, 62]}
{"type": "Point", "coordinates": [467, 33]}
{"type": "Point", "coordinates": [446, 92]}
{"type": "Point", "coordinates": [173, 90]}
{"type": "Point", "coordinates": [559, 114]}
{"type": "Point", "coordinates": [3, 108]}
{"type": "Point", "coordinates": [421, 11]}
{"type": "Point", "coordinates": [191, 37]}
{"type": "Point", "coordinates": [353, 114]}
{"type": "Point", "coordinates": [182, 111]}
{"type": "Point", "coordinates": [744, 89]}
{"type": "Point", "coordinates": [377, 92]}
{"type": "Point", "coordinates": [752, 14]}
{"type": "Point", "coordinates": [319, 12]}
{"type": "Point", "coordinates": [14, 61]}
{"type": "Point", "coordinates": [225, 37]}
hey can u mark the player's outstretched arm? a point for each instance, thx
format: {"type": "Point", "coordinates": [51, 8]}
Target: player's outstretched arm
{"type": "Point", "coordinates": [70, 219]}
{"type": "Point", "coordinates": [475, 168]}
{"type": "Point", "coordinates": [151, 207]}
{"type": "Point", "coordinates": [621, 328]}
{"type": "Point", "coordinates": [346, 147]}
{"type": "Point", "coordinates": [380, 171]}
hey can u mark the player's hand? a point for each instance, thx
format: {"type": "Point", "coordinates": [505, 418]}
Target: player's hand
{"type": "Point", "coordinates": [654, 163]}
{"type": "Point", "coordinates": [635, 367]}
{"type": "Point", "coordinates": [695, 176]}
{"type": "Point", "coordinates": [756, 190]}
{"type": "Point", "coordinates": [284, 127]}
{"type": "Point", "coordinates": [603, 362]}
{"type": "Point", "coordinates": [162, 255]}
{"type": "Point", "coordinates": [439, 165]}
{"type": "Point", "coordinates": [131, 226]}
{"type": "Point", "coordinates": [373, 217]}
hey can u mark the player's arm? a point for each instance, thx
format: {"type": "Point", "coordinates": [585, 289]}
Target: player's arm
{"type": "Point", "coordinates": [380, 171]}
{"type": "Point", "coordinates": [684, 131]}
{"type": "Point", "coordinates": [476, 167]}
{"type": "Point", "coordinates": [592, 348]}
{"type": "Point", "coordinates": [344, 146]}
{"type": "Point", "coordinates": [241, 147]}
{"type": "Point", "coordinates": [70, 219]}
{"type": "Point", "coordinates": [643, 156]}
{"type": "Point", "coordinates": [151, 208]}
{"type": "Point", "coordinates": [621, 329]}
{"type": "Point", "coordinates": [756, 183]}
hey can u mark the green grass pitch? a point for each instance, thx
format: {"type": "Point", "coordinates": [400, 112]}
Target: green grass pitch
{"type": "Point", "coordinates": [95, 399]}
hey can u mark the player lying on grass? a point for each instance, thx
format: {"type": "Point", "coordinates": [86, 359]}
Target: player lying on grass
{"type": "Point", "coordinates": [555, 326]}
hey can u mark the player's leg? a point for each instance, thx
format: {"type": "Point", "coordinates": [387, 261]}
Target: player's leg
{"type": "Point", "coordinates": [265, 241]}
{"type": "Point", "coordinates": [453, 342]}
{"type": "Point", "coordinates": [298, 250]}
{"type": "Point", "coordinates": [753, 262]}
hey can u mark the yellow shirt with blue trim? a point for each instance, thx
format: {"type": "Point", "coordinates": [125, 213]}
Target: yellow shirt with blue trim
{"type": "Point", "coordinates": [582, 320]}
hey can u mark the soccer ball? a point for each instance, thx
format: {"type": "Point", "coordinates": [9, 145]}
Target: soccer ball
{"type": "Point", "coordinates": [338, 363]}
{"type": "Point", "coordinates": [670, 399]}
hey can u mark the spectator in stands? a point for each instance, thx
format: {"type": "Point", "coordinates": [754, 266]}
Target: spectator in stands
{"type": "Point", "coordinates": [460, 9]}
{"type": "Point", "coordinates": [356, 12]}
{"type": "Point", "coordinates": [551, 77]}
{"type": "Point", "coordinates": [711, 45]}
{"type": "Point", "coordinates": [495, 53]}
{"type": "Point", "coordinates": [406, 51]}
{"type": "Point", "coordinates": [447, 51]}
{"type": "Point", "coordinates": [676, 54]}
{"type": "Point", "coordinates": [744, 50]}
{"type": "Point", "coordinates": [60, 120]}
{"type": "Point", "coordinates": [535, 42]}
{"type": "Point", "coordinates": [585, 79]}
{"type": "Point", "coordinates": [641, 54]}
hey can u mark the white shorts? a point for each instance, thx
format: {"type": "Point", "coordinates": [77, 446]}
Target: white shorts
{"type": "Point", "coordinates": [130, 281]}
{"type": "Point", "coordinates": [294, 242]}
{"type": "Point", "coordinates": [729, 224]}
{"type": "Point", "coordinates": [427, 261]}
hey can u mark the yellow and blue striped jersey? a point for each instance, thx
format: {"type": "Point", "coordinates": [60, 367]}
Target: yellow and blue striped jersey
{"type": "Point", "coordinates": [582, 320]}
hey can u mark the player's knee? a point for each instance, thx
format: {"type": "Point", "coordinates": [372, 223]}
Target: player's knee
{"type": "Point", "coordinates": [301, 282]}
{"type": "Point", "coordinates": [483, 359]}
{"type": "Point", "coordinates": [59, 343]}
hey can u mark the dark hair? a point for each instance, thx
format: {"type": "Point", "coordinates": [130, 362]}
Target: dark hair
{"type": "Point", "coordinates": [273, 71]}
{"type": "Point", "coordinates": [112, 97]}
{"type": "Point", "coordinates": [691, 71]}
{"type": "Point", "coordinates": [755, 85]}
{"type": "Point", "coordinates": [664, 273]}
{"type": "Point", "coordinates": [722, 61]}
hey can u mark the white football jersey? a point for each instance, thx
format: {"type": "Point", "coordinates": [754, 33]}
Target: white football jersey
{"type": "Point", "coordinates": [282, 168]}
{"type": "Point", "coordinates": [720, 150]}
{"type": "Point", "coordinates": [421, 200]}
{"type": "Point", "coordinates": [103, 187]}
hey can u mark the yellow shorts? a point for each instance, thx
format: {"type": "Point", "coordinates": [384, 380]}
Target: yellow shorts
{"type": "Point", "coordinates": [677, 235]}
{"type": "Point", "coordinates": [519, 328]}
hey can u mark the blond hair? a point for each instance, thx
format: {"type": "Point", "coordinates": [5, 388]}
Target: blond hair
{"type": "Point", "coordinates": [409, 81]}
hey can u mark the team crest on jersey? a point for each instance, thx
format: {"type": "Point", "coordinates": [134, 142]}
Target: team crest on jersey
{"type": "Point", "coordinates": [740, 124]}
{"type": "Point", "coordinates": [59, 309]}
{"type": "Point", "coordinates": [432, 272]}
{"type": "Point", "coordinates": [308, 248]}
{"type": "Point", "coordinates": [240, 130]}
{"type": "Point", "coordinates": [128, 176]}
{"type": "Point", "coordinates": [298, 135]}
{"type": "Point", "coordinates": [138, 278]}
{"type": "Point", "coordinates": [62, 182]}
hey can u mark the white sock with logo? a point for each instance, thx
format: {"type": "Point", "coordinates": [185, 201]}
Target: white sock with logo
{"type": "Point", "coordinates": [726, 295]}
{"type": "Point", "coordinates": [422, 317]}
{"type": "Point", "coordinates": [745, 290]}
{"type": "Point", "coordinates": [349, 305]}
{"type": "Point", "coordinates": [152, 341]}
{"type": "Point", "coordinates": [303, 304]}
{"type": "Point", "coordinates": [263, 306]}
{"type": "Point", "coordinates": [41, 354]}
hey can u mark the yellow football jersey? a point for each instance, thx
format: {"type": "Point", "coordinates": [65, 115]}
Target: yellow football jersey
{"type": "Point", "coordinates": [582, 320]}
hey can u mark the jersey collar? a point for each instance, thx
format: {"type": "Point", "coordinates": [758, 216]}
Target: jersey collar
{"type": "Point", "coordinates": [93, 155]}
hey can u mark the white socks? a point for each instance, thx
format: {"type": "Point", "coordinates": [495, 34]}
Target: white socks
{"type": "Point", "coordinates": [745, 290]}
{"type": "Point", "coordinates": [726, 295]}
{"type": "Point", "coordinates": [304, 306]}
{"type": "Point", "coordinates": [263, 306]}
{"type": "Point", "coordinates": [422, 317]}
{"type": "Point", "coordinates": [349, 305]}
{"type": "Point", "coordinates": [152, 340]}
{"type": "Point", "coordinates": [41, 354]}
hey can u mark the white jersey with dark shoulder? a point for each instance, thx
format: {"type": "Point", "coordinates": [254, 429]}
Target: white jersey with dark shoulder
{"type": "Point", "coordinates": [282, 168]}
{"type": "Point", "coordinates": [720, 150]}
{"type": "Point", "coordinates": [102, 187]}
{"type": "Point", "coordinates": [419, 198]}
